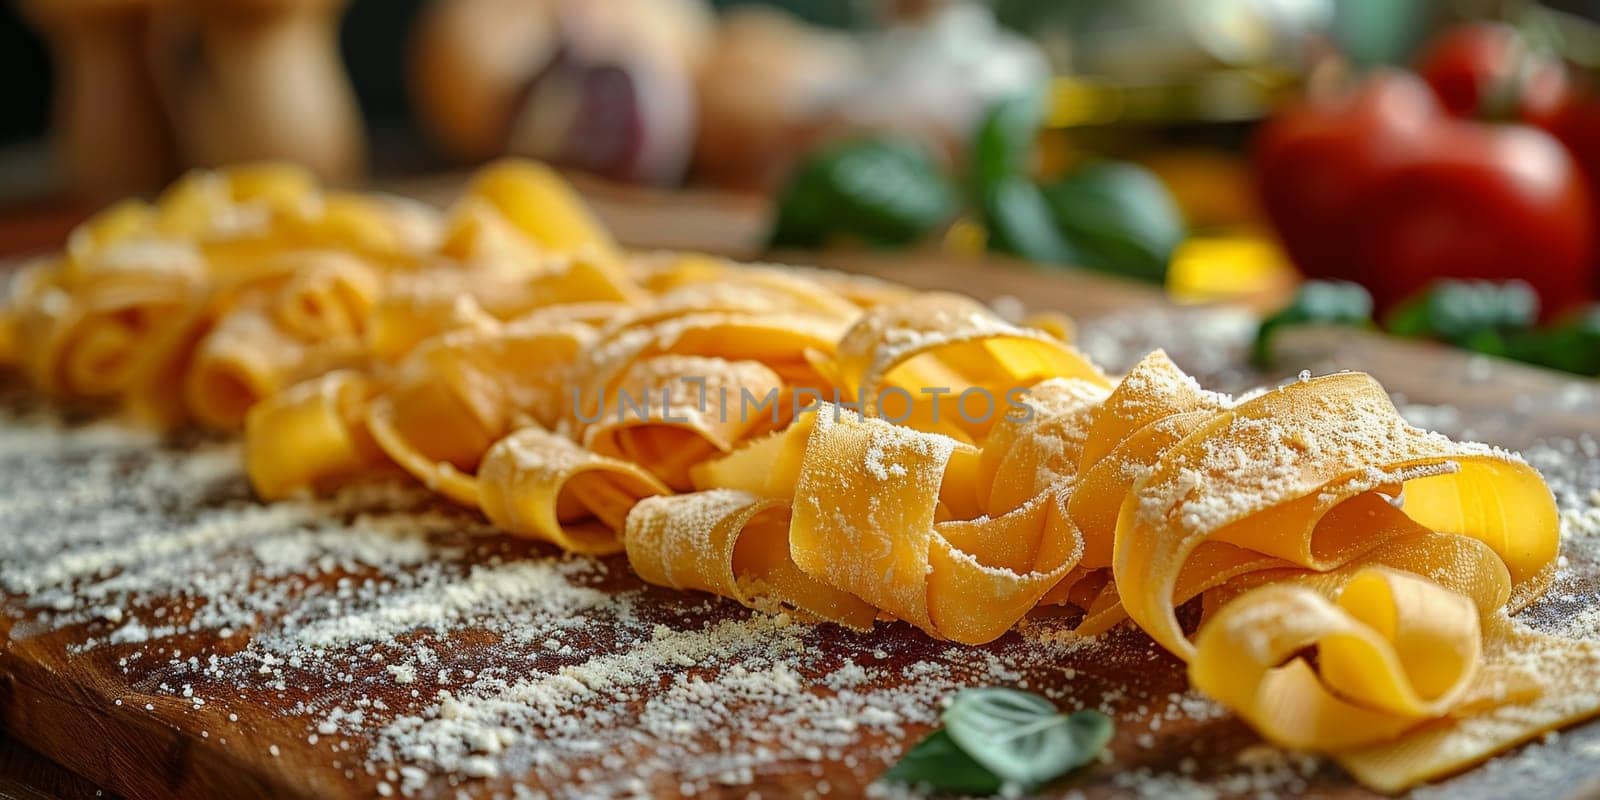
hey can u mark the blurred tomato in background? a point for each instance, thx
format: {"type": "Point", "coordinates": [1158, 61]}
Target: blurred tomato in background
{"type": "Point", "coordinates": [1377, 184]}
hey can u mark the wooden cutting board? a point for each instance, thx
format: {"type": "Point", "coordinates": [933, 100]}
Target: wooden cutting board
{"type": "Point", "coordinates": [162, 634]}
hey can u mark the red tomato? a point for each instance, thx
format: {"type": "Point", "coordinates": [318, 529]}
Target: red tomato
{"type": "Point", "coordinates": [1380, 186]}
{"type": "Point", "coordinates": [1486, 69]}
{"type": "Point", "coordinates": [1313, 161]}
{"type": "Point", "coordinates": [1577, 124]}
{"type": "Point", "coordinates": [1485, 201]}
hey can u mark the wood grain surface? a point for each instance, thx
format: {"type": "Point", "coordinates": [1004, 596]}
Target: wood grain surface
{"type": "Point", "coordinates": [117, 727]}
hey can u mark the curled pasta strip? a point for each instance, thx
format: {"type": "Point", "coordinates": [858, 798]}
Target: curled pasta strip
{"type": "Point", "coordinates": [242, 203]}
{"type": "Point", "coordinates": [767, 466]}
{"type": "Point", "coordinates": [89, 328]}
{"type": "Point", "coordinates": [778, 341]}
{"type": "Point", "coordinates": [311, 436]}
{"type": "Point", "coordinates": [670, 413]}
{"type": "Point", "coordinates": [248, 357]}
{"type": "Point", "coordinates": [417, 306]}
{"type": "Point", "coordinates": [872, 489]}
{"type": "Point", "coordinates": [386, 230]}
{"type": "Point", "coordinates": [464, 390]}
{"type": "Point", "coordinates": [244, 213]}
{"type": "Point", "coordinates": [538, 485]}
{"type": "Point", "coordinates": [734, 544]}
{"type": "Point", "coordinates": [1154, 389]}
{"type": "Point", "coordinates": [123, 221]}
{"type": "Point", "coordinates": [1151, 409]}
{"type": "Point", "coordinates": [328, 296]}
{"type": "Point", "coordinates": [1268, 475]}
{"type": "Point", "coordinates": [1527, 684]}
{"type": "Point", "coordinates": [688, 280]}
{"type": "Point", "coordinates": [865, 291]}
{"type": "Point", "coordinates": [1026, 455]}
{"type": "Point", "coordinates": [1392, 649]}
{"type": "Point", "coordinates": [542, 207]}
{"type": "Point", "coordinates": [895, 354]}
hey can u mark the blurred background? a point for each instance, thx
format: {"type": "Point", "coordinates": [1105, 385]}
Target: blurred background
{"type": "Point", "coordinates": [1431, 167]}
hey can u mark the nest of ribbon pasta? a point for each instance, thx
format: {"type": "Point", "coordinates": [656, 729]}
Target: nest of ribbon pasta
{"type": "Point", "coordinates": [834, 448]}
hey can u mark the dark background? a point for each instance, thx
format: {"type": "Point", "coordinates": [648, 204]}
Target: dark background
{"type": "Point", "coordinates": [374, 40]}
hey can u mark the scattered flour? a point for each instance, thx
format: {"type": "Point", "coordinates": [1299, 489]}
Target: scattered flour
{"type": "Point", "coordinates": [423, 655]}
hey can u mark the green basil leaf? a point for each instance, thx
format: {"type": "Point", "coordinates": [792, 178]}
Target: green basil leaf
{"type": "Point", "coordinates": [937, 763]}
{"type": "Point", "coordinates": [884, 191]}
{"type": "Point", "coordinates": [1460, 312]}
{"type": "Point", "coordinates": [1571, 344]}
{"type": "Point", "coordinates": [1003, 144]}
{"type": "Point", "coordinates": [1021, 737]}
{"type": "Point", "coordinates": [1020, 223]}
{"type": "Point", "coordinates": [1316, 303]}
{"type": "Point", "coordinates": [1120, 217]}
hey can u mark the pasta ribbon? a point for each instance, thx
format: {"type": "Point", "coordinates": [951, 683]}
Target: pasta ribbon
{"type": "Point", "coordinates": [734, 544]}
{"type": "Point", "coordinates": [945, 364]}
{"type": "Point", "coordinates": [89, 328]}
{"type": "Point", "coordinates": [778, 341]}
{"type": "Point", "coordinates": [692, 281]}
{"type": "Point", "coordinates": [312, 436]}
{"type": "Point", "coordinates": [1026, 455]}
{"type": "Point", "coordinates": [247, 358]}
{"type": "Point", "coordinates": [1266, 475]}
{"type": "Point", "coordinates": [538, 485]}
{"type": "Point", "coordinates": [541, 206]}
{"type": "Point", "coordinates": [1151, 409]}
{"type": "Point", "coordinates": [768, 466]}
{"type": "Point", "coordinates": [672, 412]}
{"type": "Point", "coordinates": [327, 296]}
{"type": "Point", "coordinates": [129, 309]}
{"type": "Point", "coordinates": [461, 392]}
{"type": "Point", "coordinates": [1527, 685]}
{"type": "Point", "coordinates": [1354, 576]}
{"type": "Point", "coordinates": [1411, 679]}
{"type": "Point", "coordinates": [872, 489]}
{"type": "Point", "coordinates": [1391, 649]}
{"type": "Point", "coordinates": [1154, 389]}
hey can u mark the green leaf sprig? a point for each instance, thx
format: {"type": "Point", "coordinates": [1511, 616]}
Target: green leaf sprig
{"type": "Point", "coordinates": [1316, 303]}
{"type": "Point", "coordinates": [1494, 318]}
{"type": "Point", "coordinates": [1472, 314]}
{"type": "Point", "coordinates": [888, 191]}
{"type": "Point", "coordinates": [1111, 216]}
{"type": "Point", "coordinates": [885, 191]}
{"type": "Point", "coordinates": [997, 738]}
{"type": "Point", "coordinates": [1570, 344]}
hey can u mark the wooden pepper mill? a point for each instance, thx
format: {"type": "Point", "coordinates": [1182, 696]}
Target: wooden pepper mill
{"type": "Point", "coordinates": [110, 128]}
{"type": "Point", "coordinates": [151, 86]}
{"type": "Point", "coordinates": [251, 80]}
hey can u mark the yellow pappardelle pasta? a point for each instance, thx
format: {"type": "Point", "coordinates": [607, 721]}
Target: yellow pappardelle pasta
{"type": "Point", "coordinates": [829, 447]}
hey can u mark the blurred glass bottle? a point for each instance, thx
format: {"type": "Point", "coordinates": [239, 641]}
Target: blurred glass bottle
{"type": "Point", "coordinates": [1160, 40]}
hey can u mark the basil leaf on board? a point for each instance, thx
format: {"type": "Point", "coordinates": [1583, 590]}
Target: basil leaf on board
{"type": "Point", "coordinates": [884, 191]}
{"type": "Point", "coordinates": [937, 763]}
{"type": "Point", "coordinates": [1021, 737]}
{"type": "Point", "coordinates": [1120, 217]}
{"type": "Point", "coordinates": [1316, 303]}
